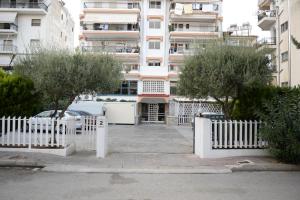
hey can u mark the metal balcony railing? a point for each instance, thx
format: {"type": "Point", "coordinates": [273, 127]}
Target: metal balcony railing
{"type": "Point", "coordinates": [197, 29]}
{"type": "Point", "coordinates": [267, 41]}
{"type": "Point", "coordinates": [181, 51]}
{"type": "Point", "coordinates": [112, 5]}
{"type": "Point", "coordinates": [24, 5]}
{"type": "Point", "coordinates": [111, 49]}
{"type": "Point", "coordinates": [108, 27]}
{"type": "Point", "coordinates": [8, 26]}
{"type": "Point", "coordinates": [8, 49]}
{"type": "Point", "coordinates": [267, 13]}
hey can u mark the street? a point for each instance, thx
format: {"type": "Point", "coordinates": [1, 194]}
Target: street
{"type": "Point", "coordinates": [28, 184]}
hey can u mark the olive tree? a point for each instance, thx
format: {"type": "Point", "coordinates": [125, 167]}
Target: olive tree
{"type": "Point", "coordinates": [61, 75]}
{"type": "Point", "coordinates": [222, 71]}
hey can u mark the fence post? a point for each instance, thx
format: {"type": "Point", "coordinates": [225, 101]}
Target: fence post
{"type": "Point", "coordinates": [203, 137]}
{"type": "Point", "coordinates": [102, 140]}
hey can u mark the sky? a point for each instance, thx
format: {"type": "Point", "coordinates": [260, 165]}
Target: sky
{"type": "Point", "coordinates": [234, 12]}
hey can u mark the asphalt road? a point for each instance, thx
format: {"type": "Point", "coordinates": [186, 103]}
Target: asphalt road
{"type": "Point", "coordinates": [36, 185]}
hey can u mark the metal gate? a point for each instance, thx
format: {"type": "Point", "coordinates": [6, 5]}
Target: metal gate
{"type": "Point", "coordinates": [153, 112]}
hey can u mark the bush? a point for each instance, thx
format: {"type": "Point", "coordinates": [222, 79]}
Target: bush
{"type": "Point", "coordinates": [17, 96]}
{"type": "Point", "coordinates": [281, 117]}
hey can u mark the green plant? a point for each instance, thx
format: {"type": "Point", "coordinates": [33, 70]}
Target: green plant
{"type": "Point", "coordinates": [281, 128]}
{"type": "Point", "coordinates": [18, 96]}
{"type": "Point", "coordinates": [223, 72]}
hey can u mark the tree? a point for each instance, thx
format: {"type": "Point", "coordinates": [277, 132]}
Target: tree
{"type": "Point", "coordinates": [296, 43]}
{"type": "Point", "coordinates": [61, 76]}
{"type": "Point", "coordinates": [17, 96]}
{"type": "Point", "coordinates": [222, 72]}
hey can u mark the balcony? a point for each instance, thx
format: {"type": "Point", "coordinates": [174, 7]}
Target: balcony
{"type": "Point", "coordinates": [8, 49]}
{"type": "Point", "coordinates": [117, 7]}
{"type": "Point", "coordinates": [125, 53]}
{"type": "Point", "coordinates": [24, 7]}
{"type": "Point", "coordinates": [267, 44]}
{"type": "Point", "coordinates": [8, 28]}
{"type": "Point", "coordinates": [111, 31]}
{"type": "Point", "coordinates": [266, 19]}
{"type": "Point", "coordinates": [264, 4]}
{"type": "Point", "coordinates": [201, 31]}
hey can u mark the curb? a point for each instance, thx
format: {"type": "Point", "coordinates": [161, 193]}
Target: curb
{"type": "Point", "coordinates": [266, 168]}
{"type": "Point", "coordinates": [84, 169]}
{"type": "Point", "coordinates": [20, 163]}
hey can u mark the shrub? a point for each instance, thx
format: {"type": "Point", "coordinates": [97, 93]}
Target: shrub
{"type": "Point", "coordinates": [17, 96]}
{"type": "Point", "coordinates": [281, 117]}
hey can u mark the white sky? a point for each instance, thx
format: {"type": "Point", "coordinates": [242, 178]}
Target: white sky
{"type": "Point", "coordinates": [234, 12]}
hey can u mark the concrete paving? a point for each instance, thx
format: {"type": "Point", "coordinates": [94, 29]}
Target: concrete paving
{"type": "Point", "coordinates": [36, 185]}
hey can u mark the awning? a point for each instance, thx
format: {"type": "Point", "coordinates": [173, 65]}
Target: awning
{"type": "Point", "coordinates": [111, 18]}
{"type": "Point", "coordinates": [8, 17]}
{"type": "Point", "coordinates": [153, 100]}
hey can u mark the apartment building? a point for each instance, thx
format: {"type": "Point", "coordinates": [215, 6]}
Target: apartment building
{"type": "Point", "coordinates": [281, 18]}
{"type": "Point", "coordinates": [27, 24]}
{"type": "Point", "coordinates": [151, 38]}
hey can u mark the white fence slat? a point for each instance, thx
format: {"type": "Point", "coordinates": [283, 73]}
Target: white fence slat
{"type": "Point", "coordinates": [47, 132]}
{"type": "Point", "coordinates": [3, 130]}
{"type": "Point", "coordinates": [35, 132]}
{"type": "Point", "coordinates": [260, 139]}
{"type": "Point", "coordinates": [250, 135]}
{"type": "Point", "coordinates": [24, 131]}
{"type": "Point", "coordinates": [41, 131]}
{"type": "Point", "coordinates": [52, 132]}
{"type": "Point", "coordinates": [235, 134]}
{"type": "Point", "coordinates": [230, 134]}
{"type": "Point", "coordinates": [241, 132]}
{"type": "Point", "coordinates": [30, 133]}
{"type": "Point", "coordinates": [63, 133]}
{"type": "Point", "coordinates": [246, 135]}
{"type": "Point", "coordinates": [255, 134]}
{"type": "Point", "coordinates": [220, 134]}
{"type": "Point", "coordinates": [215, 133]}
{"type": "Point", "coordinates": [19, 131]}
{"type": "Point", "coordinates": [8, 131]}
{"type": "Point", "coordinates": [225, 136]}
{"type": "Point", "coordinates": [57, 132]}
{"type": "Point", "coordinates": [13, 131]}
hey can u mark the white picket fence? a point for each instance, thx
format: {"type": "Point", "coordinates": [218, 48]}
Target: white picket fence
{"type": "Point", "coordinates": [236, 134]}
{"type": "Point", "coordinates": [221, 138]}
{"type": "Point", "coordinates": [58, 136]}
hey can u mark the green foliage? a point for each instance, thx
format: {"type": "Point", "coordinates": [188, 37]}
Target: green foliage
{"type": "Point", "coordinates": [281, 117]}
{"type": "Point", "coordinates": [17, 96]}
{"type": "Point", "coordinates": [223, 72]}
{"type": "Point", "coordinates": [61, 76]}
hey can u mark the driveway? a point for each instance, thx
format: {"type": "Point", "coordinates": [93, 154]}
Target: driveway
{"type": "Point", "coordinates": [150, 139]}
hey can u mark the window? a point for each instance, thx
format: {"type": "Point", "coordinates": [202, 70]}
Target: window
{"type": "Point", "coordinates": [7, 45]}
{"type": "Point", "coordinates": [153, 86]}
{"type": "Point", "coordinates": [128, 88]}
{"type": "Point", "coordinates": [173, 88]}
{"type": "Point", "coordinates": [62, 16]}
{"type": "Point", "coordinates": [133, 5]}
{"type": "Point", "coordinates": [187, 26]}
{"type": "Point", "coordinates": [284, 84]}
{"type": "Point", "coordinates": [154, 63]}
{"type": "Point", "coordinates": [284, 27]}
{"type": "Point", "coordinates": [155, 4]}
{"type": "Point", "coordinates": [154, 45]}
{"type": "Point", "coordinates": [197, 6]}
{"type": "Point", "coordinates": [284, 56]}
{"type": "Point", "coordinates": [34, 43]}
{"type": "Point", "coordinates": [154, 24]}
{"type": "Point", "coordinates": [35, 22]}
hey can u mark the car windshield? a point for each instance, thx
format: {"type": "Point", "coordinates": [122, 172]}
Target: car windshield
{"type": "Point", "coordinates": [80, 112]}
{"type": "Point", "coordinates": [73, 114]}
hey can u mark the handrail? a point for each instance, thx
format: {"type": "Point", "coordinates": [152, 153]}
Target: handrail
{"type": "Point", "coordinates": [112, 5]}
{"type": "Point", "coordinates": [267, 13]}
{"type": "Point", "coordinates": [24, 5]}
{"type": "Point", "coordinates": [8, 48]}
{"type": "Point", "coordinates": [111, 49]}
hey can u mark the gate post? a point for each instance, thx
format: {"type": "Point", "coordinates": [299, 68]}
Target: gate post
{"type": "Point", "coordinates": [203, 137]}
{"type": "Point", "coordinates": [101, 137]}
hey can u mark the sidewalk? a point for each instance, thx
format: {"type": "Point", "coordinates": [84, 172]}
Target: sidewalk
{"type": "Point", "coordinates": [145, 163]}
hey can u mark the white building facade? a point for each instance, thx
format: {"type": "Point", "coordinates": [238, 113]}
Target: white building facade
{"type": "Point", "coordinates": [151, 38]}
{"type": "Point", "coordinates": [26, 24]}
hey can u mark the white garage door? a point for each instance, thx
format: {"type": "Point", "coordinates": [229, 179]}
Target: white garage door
{"type": "Point", "coordinates": [120, 112]}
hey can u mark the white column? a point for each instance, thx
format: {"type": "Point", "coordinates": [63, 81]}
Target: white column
{"type": "Point", "coordinates": [203, 137]}
{"type": "Point", "coordinates": [102, 137]}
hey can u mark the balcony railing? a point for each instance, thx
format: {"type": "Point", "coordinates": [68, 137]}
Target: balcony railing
{"type": "Point", "coordinates": [112, 5]}
{"type": "Point", "coordinates": [111, 49]}
{"type": "Point", "coordinates": [197, 29]}
{"type": "Point", "coordinates": [7, 26]}
{"type": "Point", "coordinates": [181, 51]}
{"type": "Point", "coordinates": [267, 41]}
{"type": "Point", "coordinates": [8, 49]}
{"type": "Point", "coordinates": [268, 13]}
{"type": "Point", "coordinates": [24, 5]}
{"type": "Point", "coordinates": [108, 27]}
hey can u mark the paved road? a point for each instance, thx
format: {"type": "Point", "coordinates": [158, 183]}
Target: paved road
{"type": "Point", "coordinates": [29, 185]}
{"type": "Point", "coordinates": [150, 139]}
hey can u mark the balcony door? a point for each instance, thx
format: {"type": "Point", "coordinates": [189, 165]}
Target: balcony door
{"type": "Point", "coordinates": [7, 45]}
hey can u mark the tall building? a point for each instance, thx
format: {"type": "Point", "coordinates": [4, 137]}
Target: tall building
{"type": "Point", "coordinates": [281, 18]}
{"type": "Point", "coordinates": [151, 38]}
{"type": "Point", "coordinates": [27, 24]}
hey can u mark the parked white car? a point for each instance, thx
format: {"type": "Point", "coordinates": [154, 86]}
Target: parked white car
{"type": "Point", "coordinates": [46, 115]}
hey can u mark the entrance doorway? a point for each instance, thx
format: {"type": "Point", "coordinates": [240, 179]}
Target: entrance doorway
{"type": "Point", "coordinates": [153, 113]}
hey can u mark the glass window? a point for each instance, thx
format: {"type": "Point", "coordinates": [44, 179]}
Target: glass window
{"type": "Point", "coordinates": [284, 27]}
{"type": "Point", "coordinates": [173, 87]}
{"type": "Point", "coordinates": [154, 24]}
{"type": "Point", "coordinates": [154, 45]}
{"type": "Point", "coordinates": [154, 63]}
{"type": "Point", "coordinates": [35, 22]}
{"type": "Point", "coordinates": [155, 4]}
{"type": "Point", "coordinates": [284, 56]}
